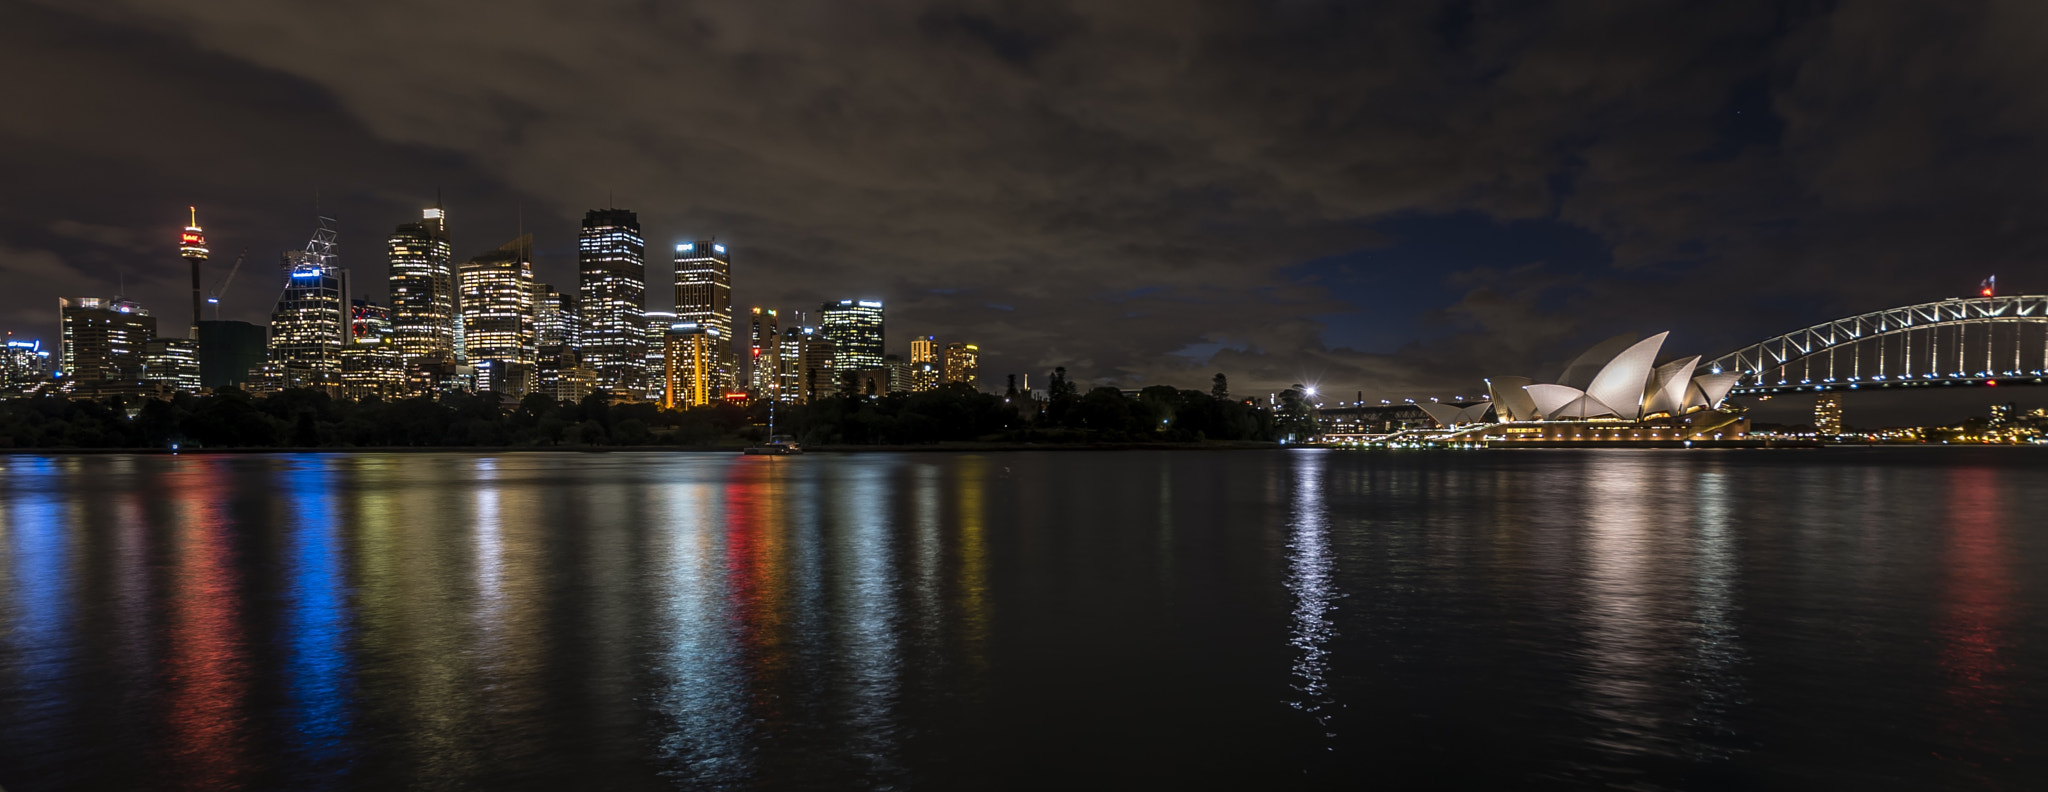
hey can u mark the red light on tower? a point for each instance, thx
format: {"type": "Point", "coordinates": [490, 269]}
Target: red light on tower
{"type": "Point", "coordinates": [192, 243]}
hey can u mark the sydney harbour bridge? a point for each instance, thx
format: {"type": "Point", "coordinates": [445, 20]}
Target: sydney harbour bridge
{"type": "Point", "coordinates": [1976, 341]}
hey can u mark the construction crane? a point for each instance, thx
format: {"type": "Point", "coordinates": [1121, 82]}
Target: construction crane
{"type": "Point", "coordinates": [213, 298]}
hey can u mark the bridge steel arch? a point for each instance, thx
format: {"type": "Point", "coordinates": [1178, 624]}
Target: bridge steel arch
{"type": "Point", "coordinates": [1948, 355]}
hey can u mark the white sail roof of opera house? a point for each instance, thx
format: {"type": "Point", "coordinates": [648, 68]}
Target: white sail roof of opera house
{"type": "Point", "coordinates": [1618, 378]}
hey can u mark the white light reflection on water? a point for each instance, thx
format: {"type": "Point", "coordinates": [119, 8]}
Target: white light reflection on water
{"type": "Point", "coordinates": [1624, 659]}
{"type": "Point", "coordinates": [926, 500]}
{"type": "Point", "coordinates": [1718, 655]}
{"type": "Point", "coordinates": [490, 550]}
{"type": "Point", "coordinates": [703, 691]}
{"type": "Point", "coordinates": [1310, 569]}
{"type": "Point", "coordinates": [871, 615]}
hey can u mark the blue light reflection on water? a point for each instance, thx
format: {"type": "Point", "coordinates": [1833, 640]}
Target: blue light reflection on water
{"type": "Point", "coordinates": [317, 621]}
{"type": "Point", "coordinates": [39, 609]}
{"type": "Point", "coordinates": [651, 621]}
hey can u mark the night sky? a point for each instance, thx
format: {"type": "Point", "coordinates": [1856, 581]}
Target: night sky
{"type": "Point", "coordinates": [1397, 198]}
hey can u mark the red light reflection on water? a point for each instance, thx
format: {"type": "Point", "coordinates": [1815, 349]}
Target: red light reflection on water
{"type": "Point", "coordinates": [1976, 602]}
{"type": "Point", "coordinates": [205, 664]}
{"type": "Point", "coordinates": [753, 568]}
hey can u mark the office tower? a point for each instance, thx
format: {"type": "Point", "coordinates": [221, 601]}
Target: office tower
{"type": "Point", "coordinates": [554, 317]}
{"type": "Point", "coordinates": [311, 321]}
{"type": "Point", "coordinates": [24, 364]}
{"type": "Point", "coordinates": [790, 352]}
{"type": "Point", "coordinates": [704, 295]}
{"type": "Point", "coordinates": [899, 373]}
{"type": "Point", "coordinates": [192, 248]}
{"type": "Point", "coordinates": [229, 350]}
{"type": "Point", "coordinates": [612, 270]}
{"type": "Point", "coordinates": [924, 363]}
{"type": "Point", "coordinates": [855, 327]}
{"type": "Point", "coordinates": [963, 364]}
{"type": "Point", "coordinates": [656, 360]}
{"type": "Point", "coordinates": [559, 371]}
{"type": "Point", "coordinates": [764, 356]}
{"type": "Point", "coordinates": [689, 364]}
{"type": "Point", "coordinates": [1827, 414]}
{"type": "Point", "coordinates": [817, 369]}
{"type": "Point", "coordinates": [371, 364]}
{"type": "Point", "coordinates": [495, 295]}
{"type": "Point", "coordinates": [103, 340]}
{"type": "Point", "coordinates": [172, 363]}
{"type": "Point", "coordinates": [423, 311]}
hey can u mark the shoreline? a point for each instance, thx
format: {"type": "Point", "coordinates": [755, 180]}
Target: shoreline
{"type": "Point", "coordinates": [963, 448]}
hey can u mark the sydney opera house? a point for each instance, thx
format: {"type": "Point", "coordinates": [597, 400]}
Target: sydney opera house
{"type": "Point", "coordinates": [1616, 391]}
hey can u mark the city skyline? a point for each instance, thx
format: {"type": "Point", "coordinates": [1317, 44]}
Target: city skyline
{"type": "Point", "coordinates": [1521, 196]}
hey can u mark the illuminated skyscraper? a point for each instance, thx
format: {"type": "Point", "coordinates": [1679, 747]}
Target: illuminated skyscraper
{"type": "Point", "coordinates": [657, 324]}
{"type": "Point", "coordinates": [963, 364]}
{"type": "Point", "coordinates": [172, 363]}
{"type": "Point", "coordinates": [816, 366]}
{"type": "Point", "coordinates": [611, 261]}
{"type": "Point", "coordinates": [789, 387]}
{"type": "Point", "coordinates": [855, 327]}
{"type": "Point", "coordinates": [192, 248]}
{"type": "Point", "coordinates": [1827, 414]}
{"type": "Point", "coordinates": [924, 363]}
{"type": "Point", "coordinates": [423, 291]}
{"type": "Point", "coordinates": [103, 340]}
{"type": "Point", "coordinates": [899, 373]}
{"type": "Point", "coordinates": [310, 325]}
{"type": "Point", "coordinates": [704, 295]}
{"type": "Point", "coordinates": [24, 364]}
{"type": "Point", "coordinates": [764, 358]}
{"type": "Point", "coordinates": [689, 361]}
{"type": "Point", "coordinates": [496, 297]}
{"type": "Point", "coordinates": [554, 317]}
{"type": "Point", "coordinates": [371, 364]}
{"type": "Point", "coordinates": [559, 371]}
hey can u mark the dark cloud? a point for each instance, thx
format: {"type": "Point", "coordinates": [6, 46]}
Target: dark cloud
{"type": "Point", "coordinates": [1142, 186]}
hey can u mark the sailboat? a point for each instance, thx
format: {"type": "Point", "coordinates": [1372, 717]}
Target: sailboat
{"type": "Point", "coordinates": [777, 445]}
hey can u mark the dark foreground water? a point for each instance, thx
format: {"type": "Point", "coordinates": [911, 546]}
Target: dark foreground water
{"type": "Point", "coordinates": [1253, 620]}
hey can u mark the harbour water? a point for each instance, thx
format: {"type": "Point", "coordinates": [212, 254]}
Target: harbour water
{"type": "Point", "coordinates": [1869, 619]}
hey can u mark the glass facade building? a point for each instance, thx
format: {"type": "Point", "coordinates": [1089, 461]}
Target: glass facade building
{"type": "Point", "coordinates": [764, 356]}
{"type": "Point", "coordinates": [423, 290]}
{"type": "Point", "coordinates": [855, 327]}
{"type": "Point", "coordinates": [963, 364]}
{"type": "Point", "coordinates": [103, 340]}
{"type": "Point", "coordinates": [924, 363]}
{"type": "Point", "coordinates": [690, 360]}
{"type": "Point", "coordinates": [173, 363]}
{"type": "Point", "coordinates": [310, 324]}
{"type": "Point", "coordinates": [498, 336]}
{"type": "Point", "coordinates": [703, 284]}
{"type": "Point", "coordinates": [611, 259]}
{"type": "Point", "coordinates": [371, 364]}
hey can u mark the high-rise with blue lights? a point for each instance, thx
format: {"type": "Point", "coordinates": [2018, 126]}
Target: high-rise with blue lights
{"type": "Point", "coordinates": [311, 323]}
